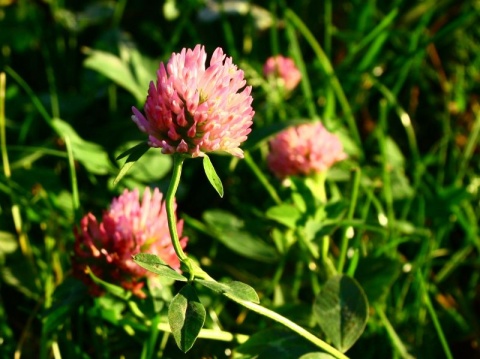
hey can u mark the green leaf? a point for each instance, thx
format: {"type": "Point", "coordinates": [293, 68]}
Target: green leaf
{"type": "Point", "coordinates": [274, 343]}
{"type": "Point", "coordinates": [160, 294]}
{"type": "Point", "coordinates": [242, 291]}
{"type": "Point", "coordinates": [137, 147]}
{"type": "Point", "coordinates": [283, 239]}
{"type": "Point", "coordinates": [110, 308]}
{"type": "Point", "coordinates": [20, 276]}
{"type": "Point", "coordinates": [67, 297]}
{"type": "Point", "coordinates": [285, 214]}
{"type": "Point", "coordinates": [150, 168]}
{"type": "Point", "coordinates": [311, 227]}
{"type": "Point", "coordinates": [213, 285]}
{"type": "Point", "coordinates": [144, 68]}
{"type": "Point", "coordinates": [341, 309]}
{"type": "Point", "coordinates": [186, 316]}
{"type": "Point", "coordinates": [349, 145]}
{"type": "Point", "coordinates": [91, 155]}
{"type": "Point", "coordinates": [234, 289]}
{"type": "Point", "coordinates": [170, 10]}
{"type": "Point", "coordinates": [8, 243]}
{"type": "Point", "coordinates": [109, 287]}
{"type": "Point", "coordinates": [302, 191]}
{"type": "Point", "coordinates": [401, 188]}
{"type": "Point", "coordinates": [212, 175]}
{"type": "Point", "coordinates": [442, 200]}
{"type": "Point", "coordinates": [394, 155]}
{"type": "Point", "coordinates": [228, 229]}
{"type": "Point", "coordinates": [377, 275]}
{"type": "Point", "coordinates": [134, 155]}
{"type": "Point", "coordinates": [154, 264]}
{"type": "Point", "coordinates": [115, 69]}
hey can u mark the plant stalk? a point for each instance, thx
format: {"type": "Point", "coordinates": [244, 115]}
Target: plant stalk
{"type": "Point", "coordinates": [169, 203]}
{"type": "Point", "coordinates": [357, 174]}
{"type": "Point", "coordinates": [257, 308]}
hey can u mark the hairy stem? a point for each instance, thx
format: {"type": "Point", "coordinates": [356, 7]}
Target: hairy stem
{"type": "Point", "coordinates": [169, 203]}
{"type": "Point", "coordinates": [289, 324]}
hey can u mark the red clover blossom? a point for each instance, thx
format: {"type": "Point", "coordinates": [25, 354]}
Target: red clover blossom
{"type": "Point", "coordinates": [131, 225]}
{"type": "Point", "coordinates": [283, 69]}
{"type": "Point", "coordinates": [304, 150]}
{"type": "Point", "coordinates": [194, 109]}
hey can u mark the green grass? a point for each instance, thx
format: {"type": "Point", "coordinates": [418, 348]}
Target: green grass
{"type": "Point", "coordinates": [397, 81]}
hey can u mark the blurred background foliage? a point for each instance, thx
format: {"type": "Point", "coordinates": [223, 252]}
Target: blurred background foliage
{"type": "Point", "coordinates": [398, 81]}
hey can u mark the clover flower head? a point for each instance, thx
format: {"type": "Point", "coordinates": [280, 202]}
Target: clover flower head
{"type": "Point", "coordinates": [283, 69]}
{"type": "Point", "coordinates": [193, 109]}
{"type": "Point", "coordinates": [304, 150]}
{"type": "Point", "coordinates": [131, 225]}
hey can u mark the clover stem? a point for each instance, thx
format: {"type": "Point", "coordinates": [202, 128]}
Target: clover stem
{"type": "Point", "coordinates": [169, 203]}
{"type": "Point", "coordinates": [289, 324]}
{"type": "Point", "coordinates": [317, 185]}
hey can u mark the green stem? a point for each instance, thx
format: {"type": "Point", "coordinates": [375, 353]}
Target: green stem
{"type": "Point", "coordinates": [472, 142]}
{"type": "Point", "coordinates": [297, 278]}
{"type": "Point", "coordinates": [261, 177]}
{"type": "Point", "coordinates": [3, 130]}
{"type": "Point", "coordinates": [325, 246]}
{"type": "Point", "coordinates": [396, 341]}
{"type": "Point", "coordinates": [55, 106]}
{"type": "Point", "coordinates": [433, 315]}
{"type": "Point", "coordinates": [118, 13]}
{"type": "Point", "coordinates": [312, 249]}
{"type": "Point", "coordinates": [372, 36]}
{"type": "Point", "coordinates": [211, 334]}
{"type": "Point", "coordinates": [404, 119]}
{"type": "Point", "coordinates": [172, 189]}
{"type": "Point", "coordinates": [351, 210]}
{"type": "Point", "coordinates": [15, 209]}
{"type": "Point", "coordinates": [169, 203]}
{"type": "Point", "coordinates": [35, 100]}
{"type": "Point", "coordinates": [305, 83]}
{"type": "Point", "coordinates": [328, 28]}
{"type": "Point", "coordinates": [277, 276]}
{"type": "Point", "coordinates": [386, 166]}
{"type": "Point", "coordinates": [274, 29]}
{"type": "Point", "coordinates": [150, 344]}
{"type": "Point", "coordinates": [257, 308]}
{"type": "Point", "coordinates": [316, 183]}
{"type": "Point", "coordinates": [73, 177]}
{"type": "Point", "coordinates": [329, 71]}
{"type": "Point", "coordinates": [228, 32]}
